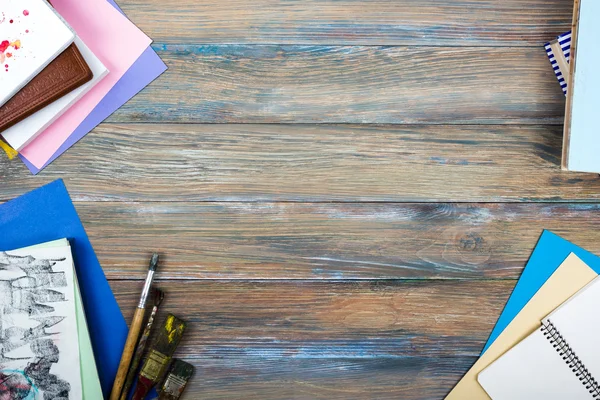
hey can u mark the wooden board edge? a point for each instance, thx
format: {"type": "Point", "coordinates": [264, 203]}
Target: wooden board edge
{"type": "Point", "coordinates": [568, 106]}
{"type": "Point", "coordinates": [563, 64]}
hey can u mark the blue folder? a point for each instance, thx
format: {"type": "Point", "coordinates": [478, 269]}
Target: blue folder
{"type": "Point", "coordinates": [550, 252]}
{"type": "Point", "coordinates": [47, 214]}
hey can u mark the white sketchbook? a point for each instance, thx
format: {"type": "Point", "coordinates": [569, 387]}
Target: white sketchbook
{"type": "Point", "coordinates": [581, 144]}
{"type": "Point", "coordinates": [22, 133]}
{"type": "Point", "coordinates": [90, 382]}
{"type": "Point", "coordinates": [39, 347]}
{"type": "Point", "coordinates": [560, 360]}
{"type": "Point", "coordinates": [32, 34]}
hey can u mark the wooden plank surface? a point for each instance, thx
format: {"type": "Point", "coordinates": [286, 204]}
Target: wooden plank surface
{"type": "Point", "coordinates": [143, 162]}
{"type": "Point", "coordinates": [301, 340]}
{"type": "Point", "coordinates": [257, 378]}
{"type": "Point", "coordinates": [373, 22]}
{"type": "Point", "coordinates": [330, 241]}
{"type": "Point", "coordinates": [349, 84]}
{"type": "Point", "coordinates": [344, 191]}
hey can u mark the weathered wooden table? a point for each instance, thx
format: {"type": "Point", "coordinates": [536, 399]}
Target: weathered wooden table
{"type": "Point", "coordinates": [344, 191]}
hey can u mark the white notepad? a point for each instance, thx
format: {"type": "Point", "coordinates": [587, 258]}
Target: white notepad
{"type": "Point", "coordinates": [23, 132]}
{"type": "Point", "coordinates": [560, 360]}
{"type": "Point", "coordinates": [32, 34]}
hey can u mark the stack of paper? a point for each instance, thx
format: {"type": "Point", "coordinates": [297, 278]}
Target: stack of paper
{"type": "Point", "coordinates": [558, 360]}
{"type": "Point", "coordinates": [46, 69]}
{"type": "Point", "coordinates": [123, 64]}
{"type": "Point", "coordinates": [556, 271]}
{"type": "Point", "coordinates": [45, 215]}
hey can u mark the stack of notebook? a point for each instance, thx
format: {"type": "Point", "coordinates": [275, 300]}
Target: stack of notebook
{"type": "Point", "coordinates": [46, 68]}
{"type": "Point", "coordinates": [65, 66]}
{"type": "Point", "coordinates": [560, 359]}
{"type": "Point", "coordinates": [545, 342]}
{"type": "Point", "coordinates": [574, 58]}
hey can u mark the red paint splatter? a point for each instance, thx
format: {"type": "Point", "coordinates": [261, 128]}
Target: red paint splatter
{"type": "Point", "coordinates": [25, 12]}
{"type": "Point", "coordinates": [4, 45]}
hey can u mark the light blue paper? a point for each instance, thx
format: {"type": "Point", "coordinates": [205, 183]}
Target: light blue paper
{"type": "Point", "coordinates": [549, 253]}
{"type": "Point", "coordinates": [584, 143]}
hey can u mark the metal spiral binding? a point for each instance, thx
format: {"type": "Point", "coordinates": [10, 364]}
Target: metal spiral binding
{"type": "Point", "coordinates": [572, 360]}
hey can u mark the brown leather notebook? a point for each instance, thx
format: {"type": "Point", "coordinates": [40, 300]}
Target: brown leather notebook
{"type": "Point", "coordinates": [66, 73]}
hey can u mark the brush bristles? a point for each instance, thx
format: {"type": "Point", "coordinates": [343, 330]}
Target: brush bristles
{"type": "Point", "coordinates": [153, 262]}
{"type": "Point", "coordinates": [159, 295]}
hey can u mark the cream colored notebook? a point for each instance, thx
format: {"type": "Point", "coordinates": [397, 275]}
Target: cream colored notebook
{"type": "Point", "coordinates": [569, 277]}
{"type": "Point", "coordinates": [559, 360]}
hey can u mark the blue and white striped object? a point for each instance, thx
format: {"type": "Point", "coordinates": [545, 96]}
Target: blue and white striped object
{"type": "Point", "coordinates": [564, 41]}
{"type": "Point", "coordinates": [565, 44]}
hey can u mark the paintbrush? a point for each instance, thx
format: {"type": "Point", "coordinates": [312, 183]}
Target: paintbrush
{"type": "Point", "coordinates": [179, 374]}
{"type": "Point", "coordinates": [159, 356]}
{"type": "Point", "coordinates": [158, 297]}
{"type": "Point", "coordinates": [134, 332]}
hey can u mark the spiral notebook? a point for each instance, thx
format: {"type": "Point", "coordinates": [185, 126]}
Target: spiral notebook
{"type": "Point", "coordinates": [559, 360]}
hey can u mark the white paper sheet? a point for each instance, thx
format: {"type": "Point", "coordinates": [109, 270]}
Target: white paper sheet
{"type": "Point", "coordinates": [578, 322]}
{"type": "Point", "coordinates": [32, 34]}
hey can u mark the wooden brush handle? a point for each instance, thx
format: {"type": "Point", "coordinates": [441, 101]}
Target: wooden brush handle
{"type": "Point", "coordinates": [130, 344]}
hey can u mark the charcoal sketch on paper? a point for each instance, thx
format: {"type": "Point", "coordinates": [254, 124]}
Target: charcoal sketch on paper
{"type": "Point", "coordinates": [38, 337]}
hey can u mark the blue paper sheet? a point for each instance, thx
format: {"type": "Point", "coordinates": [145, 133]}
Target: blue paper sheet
{"type": "Point", "coordinates": [550, 252]}
{"type": "Point", "coordinates": [47, 214]}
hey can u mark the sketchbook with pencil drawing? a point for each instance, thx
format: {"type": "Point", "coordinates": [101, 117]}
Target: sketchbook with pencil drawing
{"type": "Point", "coordinates": [39, 339]}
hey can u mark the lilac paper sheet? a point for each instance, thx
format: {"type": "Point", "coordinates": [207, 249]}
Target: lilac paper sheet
{"type": "Point", "coordinates": [146, 68]}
